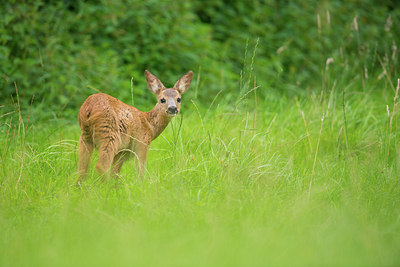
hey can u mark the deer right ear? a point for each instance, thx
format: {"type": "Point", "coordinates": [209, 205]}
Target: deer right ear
{"type": "Point", "coordinates": [154, 84]}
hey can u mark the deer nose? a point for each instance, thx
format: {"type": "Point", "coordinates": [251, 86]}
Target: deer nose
{"type": "Point", "coordinates": [172, 110]}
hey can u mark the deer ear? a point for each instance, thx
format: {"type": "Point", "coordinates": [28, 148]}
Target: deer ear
{"type": "Point", "coordinates": [184, 82]}
{"type": "Point", "coordinates": [154, 84]}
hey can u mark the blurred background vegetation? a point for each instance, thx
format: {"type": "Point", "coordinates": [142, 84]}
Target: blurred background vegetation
{"type": "Point", "coordinates": [59, 52]}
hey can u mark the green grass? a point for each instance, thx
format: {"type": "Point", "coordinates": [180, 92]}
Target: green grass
{"type": "Point", "coordinates": [224, 190]}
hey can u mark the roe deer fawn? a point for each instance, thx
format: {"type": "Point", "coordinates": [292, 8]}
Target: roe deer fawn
{"type": "Point", "coordinates": [115, 127]}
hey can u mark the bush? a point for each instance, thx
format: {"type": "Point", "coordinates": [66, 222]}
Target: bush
{"type": "Point", "coordinates": [60, 52]}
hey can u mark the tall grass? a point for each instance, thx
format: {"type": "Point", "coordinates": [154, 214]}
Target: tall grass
{"type": "Point", "coordinates": [275, 181]}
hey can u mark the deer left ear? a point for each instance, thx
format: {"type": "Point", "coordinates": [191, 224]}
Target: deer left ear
{"type": "Point", "coordinates": [184, 82]}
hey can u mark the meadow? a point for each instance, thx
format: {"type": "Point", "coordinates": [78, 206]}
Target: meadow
{"type": "Point", "coordinates": [285, 152]}
{"type": "Point", "coordinates": [277, 181]}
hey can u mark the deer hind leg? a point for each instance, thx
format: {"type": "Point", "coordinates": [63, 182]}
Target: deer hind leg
{"type": "Point", "coordinates": [119, 159]}
{"type": "Point", "coordinates": [85, 151]}
{"type": "Point", "coordinates": [141, 149]}
{"type": "Point", "coordinates": [107, 152]}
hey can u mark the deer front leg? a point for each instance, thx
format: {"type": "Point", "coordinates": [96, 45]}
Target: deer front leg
{"type": "Point", "coordinates": [119, 159]}
{"type": "Point", "coordinates": [141, 149]}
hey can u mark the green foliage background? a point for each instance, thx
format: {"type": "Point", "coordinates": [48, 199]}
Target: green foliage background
{"type": "Point", "coordinates": [286, 151]}
{"type": "Point", "coordinates": [59, 52]}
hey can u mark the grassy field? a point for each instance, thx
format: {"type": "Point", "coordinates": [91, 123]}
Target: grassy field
{"type": "Point", "coordinates": [307, 180]}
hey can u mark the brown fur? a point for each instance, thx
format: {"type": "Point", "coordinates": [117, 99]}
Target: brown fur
{"type": "Point", "coordinates": [115, 128]}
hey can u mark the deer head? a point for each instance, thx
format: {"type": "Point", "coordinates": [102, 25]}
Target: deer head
{"type": "Point", "coordinates": [168, 99]}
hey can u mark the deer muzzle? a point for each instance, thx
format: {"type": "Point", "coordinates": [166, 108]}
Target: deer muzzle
{"type": "Point", "coordinates": [172, 111]}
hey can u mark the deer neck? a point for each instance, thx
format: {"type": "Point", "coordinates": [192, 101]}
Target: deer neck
{"type": "Point", "coordinates": [158, 119]}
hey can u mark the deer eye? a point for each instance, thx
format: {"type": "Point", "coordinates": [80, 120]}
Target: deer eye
{"type": "Point", "coordinates": [178, 100]}
{"type": "Point", "coordinates": [162, 100]}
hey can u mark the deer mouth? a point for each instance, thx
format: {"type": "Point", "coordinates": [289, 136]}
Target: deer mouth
{"type": "Point", "coordinates": [172, 113]}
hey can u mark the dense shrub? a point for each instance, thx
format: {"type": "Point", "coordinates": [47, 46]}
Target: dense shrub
{"type": "Point", "coordinates": [61, 51]}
